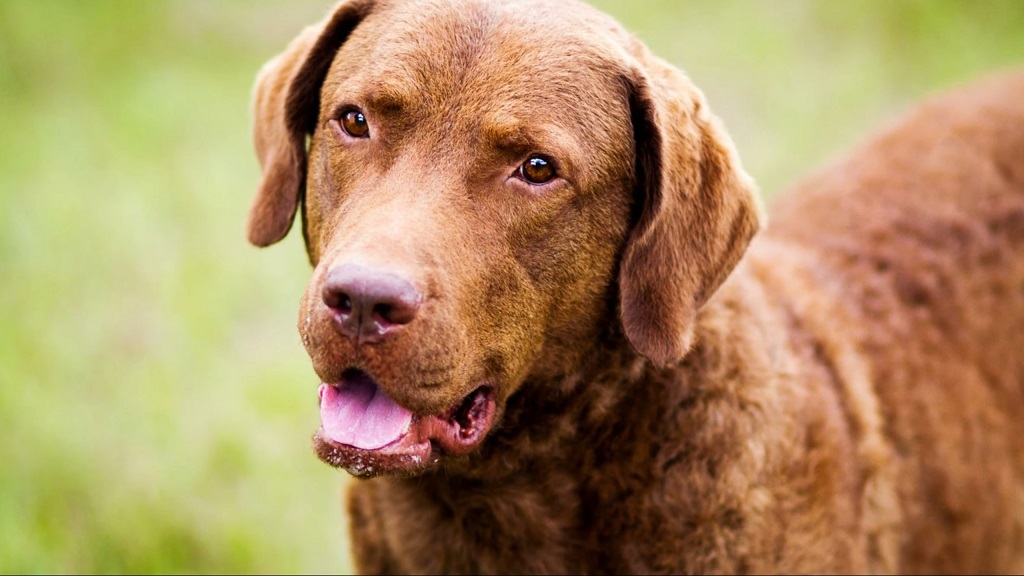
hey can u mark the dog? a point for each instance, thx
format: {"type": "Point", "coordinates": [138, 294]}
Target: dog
{"type": "Point", "coordinates": [555, 335]}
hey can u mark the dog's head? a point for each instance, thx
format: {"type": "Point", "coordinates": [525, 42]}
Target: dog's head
{"type": "Point", "coordinates": [487, 189]}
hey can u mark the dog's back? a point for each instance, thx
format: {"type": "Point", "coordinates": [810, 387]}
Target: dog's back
{"type": "Point", "coordinates": [916, 239]}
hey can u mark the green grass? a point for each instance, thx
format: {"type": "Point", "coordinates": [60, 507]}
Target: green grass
{"type": "Point", "coordinates": [155, 401]}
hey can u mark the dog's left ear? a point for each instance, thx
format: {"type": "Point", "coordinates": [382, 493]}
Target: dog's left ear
{"type": "Point", "coordinates": [286, 106]}
{"type": "Point", "coordinates": [698, 211]}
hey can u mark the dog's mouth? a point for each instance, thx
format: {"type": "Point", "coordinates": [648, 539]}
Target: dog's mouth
{"type": "Point", "coordinates": [365, 432]}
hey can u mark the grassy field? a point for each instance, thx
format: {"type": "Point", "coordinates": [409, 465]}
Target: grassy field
{"type": "Point", "coordinates": [155, 402]}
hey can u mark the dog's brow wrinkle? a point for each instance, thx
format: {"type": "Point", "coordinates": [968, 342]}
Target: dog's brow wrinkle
{"type": "Point", "coordinates": [388, 98]}
{"type": "Point", "coordinates": [506, 135]}
{"type": "Point", "coordinates": [514, 143]}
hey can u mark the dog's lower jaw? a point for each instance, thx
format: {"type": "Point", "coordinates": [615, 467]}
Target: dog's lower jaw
{"type": "Point", "coordinates": [402, 457]}
{"type": "Point", "coordinates": [422, 446]}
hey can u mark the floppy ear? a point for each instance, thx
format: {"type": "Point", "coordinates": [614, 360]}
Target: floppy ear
{"type": "Point", "coordinates": [698, 211]}
{"type": "Point", "coordinates": [286, 106]}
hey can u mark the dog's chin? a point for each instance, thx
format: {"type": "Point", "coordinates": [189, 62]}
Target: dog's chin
{"type": "Point", "coordinates": [365, 432]}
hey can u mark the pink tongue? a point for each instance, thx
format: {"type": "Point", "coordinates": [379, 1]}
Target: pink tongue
{"type": "Point", "coordinates": [358, 413]}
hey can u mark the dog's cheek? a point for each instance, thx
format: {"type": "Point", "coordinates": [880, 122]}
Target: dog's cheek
{"type": "Point", "coordinates": [512, 348]}
{"type": "Point", "coordinates": [573, 263]}
{"type": "Point", "coordinates": [327, 178]}
{"type": "Point", "coordinates": [312, 324]}
{"type": "Point", "coordinates": [312, 232]}
{"type": "Point", "coordinates": [495, 304]}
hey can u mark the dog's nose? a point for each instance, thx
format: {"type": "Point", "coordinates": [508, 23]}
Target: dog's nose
{"type": "Point", "coordinates": [368, 304]}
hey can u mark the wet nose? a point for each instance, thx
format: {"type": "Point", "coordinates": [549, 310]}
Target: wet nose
{"type": "Point", "coordinates": [368, 304]}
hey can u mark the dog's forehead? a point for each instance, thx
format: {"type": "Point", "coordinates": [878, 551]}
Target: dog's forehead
{"type": "Point", "coordinates": [472, 55]}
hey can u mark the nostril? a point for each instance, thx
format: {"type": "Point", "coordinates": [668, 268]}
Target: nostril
{"type": "Point", "coordinates": [384, 312]}
{"type": "Point", "coordinates": [337, 300]}
{"type": "Point", "coordinates": [402, 311]}
{"type": "Point", "coordinates": [344, 304]}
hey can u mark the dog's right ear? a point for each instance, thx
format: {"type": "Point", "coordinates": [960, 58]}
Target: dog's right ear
{"type": "Point", "coordinates": [286, 106]}
{"type": "Point", "coordinates": [698, 211]}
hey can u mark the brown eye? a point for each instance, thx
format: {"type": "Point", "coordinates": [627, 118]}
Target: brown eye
{"type": "Point", "coordinates": [354, 123]}
{"type": "Point", "coordinates": [537, 170]}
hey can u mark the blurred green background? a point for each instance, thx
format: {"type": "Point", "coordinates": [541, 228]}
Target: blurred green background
{"type": "Point", "coordinates": [155, 401]}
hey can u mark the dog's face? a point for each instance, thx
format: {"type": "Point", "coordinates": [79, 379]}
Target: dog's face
{"type": "Point", "coordinates": [484, 183]}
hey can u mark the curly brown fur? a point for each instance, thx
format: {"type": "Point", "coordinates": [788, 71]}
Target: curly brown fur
{"type": "Point", "coordinates": [843, 394]}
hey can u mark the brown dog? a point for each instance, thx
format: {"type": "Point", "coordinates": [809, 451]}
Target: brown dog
{"type": "Point", "coordinates": [534, 325]}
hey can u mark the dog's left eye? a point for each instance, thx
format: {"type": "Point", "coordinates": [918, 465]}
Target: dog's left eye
{"type": "Point", "coordinates": [537, 170]}
{"type": "Point", "coordinates": [355, 125]}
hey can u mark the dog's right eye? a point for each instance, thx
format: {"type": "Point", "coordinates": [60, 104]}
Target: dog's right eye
{"type": "Point", "coordinates": [537, 170]}
{"type": "Point", "coordinates": [355, 125]}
